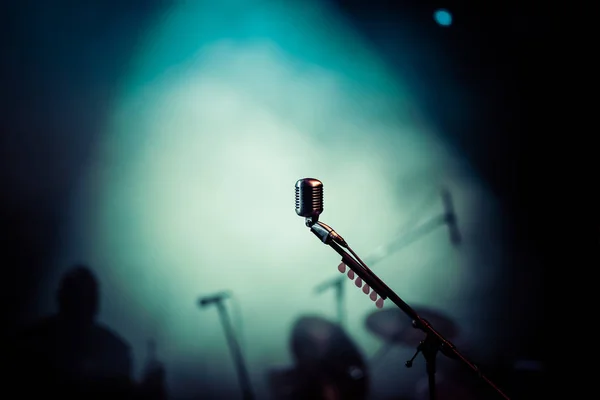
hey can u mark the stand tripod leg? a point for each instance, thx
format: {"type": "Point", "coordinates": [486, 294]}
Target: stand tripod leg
{"type": "Point", "coordinates": [431, 379]}
{"type": "Point", "coordinates": [430, 347]}
{"type": "Point", "coordinates": [236, 352]}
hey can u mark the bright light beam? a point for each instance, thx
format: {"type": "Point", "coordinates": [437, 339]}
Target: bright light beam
{"type": "Point", "coordinates": [191, 189]}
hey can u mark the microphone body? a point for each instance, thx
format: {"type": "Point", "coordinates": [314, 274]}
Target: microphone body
{"type": "Point", "coordinates": [309, 199]}
{"type": "Point", "coordinates": [205, 301]}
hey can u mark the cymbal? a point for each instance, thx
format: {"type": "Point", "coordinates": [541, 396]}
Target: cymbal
{"type": "Point", "coordinates": [393, 326]}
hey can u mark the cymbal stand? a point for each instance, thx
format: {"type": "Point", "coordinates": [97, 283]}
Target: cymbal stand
{"type": "Point", "coordinates": [338, 286]}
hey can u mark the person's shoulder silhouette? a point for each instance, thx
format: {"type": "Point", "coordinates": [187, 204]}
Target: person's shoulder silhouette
{"type": "Point", "coordinates": [71, 351]}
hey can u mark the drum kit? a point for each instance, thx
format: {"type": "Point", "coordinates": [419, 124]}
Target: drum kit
{"type": "Point", "coordinates": [328, 365]}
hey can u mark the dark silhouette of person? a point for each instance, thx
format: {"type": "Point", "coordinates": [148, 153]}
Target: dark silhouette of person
{"type": "Point", "coordinates": [71, 355]}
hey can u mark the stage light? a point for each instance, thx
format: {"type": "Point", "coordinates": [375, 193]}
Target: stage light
{"type": "Point", "coordinates": [443, 17]}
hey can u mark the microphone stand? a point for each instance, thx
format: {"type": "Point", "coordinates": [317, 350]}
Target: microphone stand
{"type": "Point", "coordinates": [338, 285]}
{"type": "Point", "coordinates": [433, 342]}
{"type": "Point", "coordinates": [236, 352]}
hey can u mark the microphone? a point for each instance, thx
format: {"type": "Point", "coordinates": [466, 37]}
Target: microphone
{"type": "Point", "coordinates": [207, 300]}
{"type": "Point", "coordinates": [309, 198]}
{"type": "Point", "coordinates": [309, 204]}
{"type": "Point", "coordinates": [450, 216]}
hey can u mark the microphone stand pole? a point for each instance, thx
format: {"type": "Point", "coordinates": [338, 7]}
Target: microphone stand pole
{"type": "Point", "coordinates": [433, 342]}
{"type": "Point", "coordinates": [338, 285]}
{"type": "Point", "coordinates": [339, 298]}
{"type": "Point", "coordinates": [236, 352]}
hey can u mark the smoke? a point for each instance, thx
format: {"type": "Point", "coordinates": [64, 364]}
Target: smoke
{"type": "Point", "coordinates": [191, 189]}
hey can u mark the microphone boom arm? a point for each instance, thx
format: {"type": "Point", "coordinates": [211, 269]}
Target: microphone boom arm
{"type": "Point", "coordinates": [433, 342]}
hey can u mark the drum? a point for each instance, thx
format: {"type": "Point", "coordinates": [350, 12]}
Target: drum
{"type": "Point", "coordinates": [328, 365]}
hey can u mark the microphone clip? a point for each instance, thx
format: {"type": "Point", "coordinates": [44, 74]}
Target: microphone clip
{"type": "Point", "coordinates": [326, 234]}
{"type": "Point", "coordinates": [310, 221]}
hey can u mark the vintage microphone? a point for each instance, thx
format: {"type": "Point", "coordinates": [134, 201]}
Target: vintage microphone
{"type": "Point", "coordinates": [234, 347]}
{"type": "Point", "coordinates": [309, 204]}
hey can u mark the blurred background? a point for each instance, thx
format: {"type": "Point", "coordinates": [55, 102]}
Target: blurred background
{"type": "Point", "coordinates": [148, 158]}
